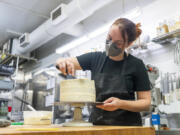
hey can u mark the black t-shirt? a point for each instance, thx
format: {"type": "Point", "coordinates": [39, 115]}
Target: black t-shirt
{"type": "Point", "coordinates": [135, 68]}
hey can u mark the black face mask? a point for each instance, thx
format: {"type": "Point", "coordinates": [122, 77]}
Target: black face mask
{"type": "Point", "coordinates": [112, 49]}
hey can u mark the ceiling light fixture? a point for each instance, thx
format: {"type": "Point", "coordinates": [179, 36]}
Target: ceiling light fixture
{"type": "Point", "coordinates": [130, 15]}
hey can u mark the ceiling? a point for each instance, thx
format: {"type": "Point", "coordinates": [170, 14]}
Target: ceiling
{"type": "Point", "coordinates": [19, 16]}
{"type": "Point", "coordinates": [102, 16]}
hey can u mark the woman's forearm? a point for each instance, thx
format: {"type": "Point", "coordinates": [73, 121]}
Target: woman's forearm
{"type": "Point", "coordinates": [135, 106]}
{"type": "Point", "coordinates": [113, 103]}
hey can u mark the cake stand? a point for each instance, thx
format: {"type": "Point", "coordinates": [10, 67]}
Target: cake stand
{"type": "Point", "coordinates": [77, 118]}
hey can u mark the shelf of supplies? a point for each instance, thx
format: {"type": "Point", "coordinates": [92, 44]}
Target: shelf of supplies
{"type": "Point", "coordinates": [6, 85]}
{"type": "Point", "coordinates": [4, 99]}
{"type": "Point", "coordinates": [168, 37]}
{"type": "Point", "coordinates": [22, 59]}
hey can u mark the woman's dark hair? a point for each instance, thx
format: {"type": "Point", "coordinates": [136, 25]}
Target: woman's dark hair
{"type": "Point", "coordinates": [130, 31]}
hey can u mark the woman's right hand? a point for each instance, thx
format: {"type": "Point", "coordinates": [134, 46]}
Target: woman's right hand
{"type": "Point", "coordinates": [68, 65]}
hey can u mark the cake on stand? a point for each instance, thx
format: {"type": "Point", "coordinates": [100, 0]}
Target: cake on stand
{"type": "Point", "coordinates": [77, 93]}
{"type": "Point", "coordinates": [77, 118]}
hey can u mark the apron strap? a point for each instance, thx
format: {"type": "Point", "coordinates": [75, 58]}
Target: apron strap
{"type": "Point", "coordinates": [124, 64]}
{"type": "Point", "coordinates": [103, 62]}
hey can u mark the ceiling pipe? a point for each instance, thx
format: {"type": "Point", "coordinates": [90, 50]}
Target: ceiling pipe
{"type": "Point", "coordinates": [77, 10]}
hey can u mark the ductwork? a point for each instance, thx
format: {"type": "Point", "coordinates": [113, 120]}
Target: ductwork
{"type": "Point", "coordinates": [76, 30]}
{"type": "Point", "coordinates": [76, 11]}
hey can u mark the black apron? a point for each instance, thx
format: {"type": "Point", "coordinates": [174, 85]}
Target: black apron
{"type": "Point", "coordinates": [114, 85]}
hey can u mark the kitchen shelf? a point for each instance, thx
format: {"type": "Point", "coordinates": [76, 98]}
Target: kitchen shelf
{"type": "Point", "coordinates": [167, 38]}
{"type": "Point", "coordinates": [22, 59]}
{"type": "Point", "coordinates": [6, 85]}
{"type": "Point", "coordinates": [4, 99]}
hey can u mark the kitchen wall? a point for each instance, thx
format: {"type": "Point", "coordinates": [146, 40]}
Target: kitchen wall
{"type": "Point", "coordinates": [157, 55]}
{"type": "Point", "coordinates": [161, 56]}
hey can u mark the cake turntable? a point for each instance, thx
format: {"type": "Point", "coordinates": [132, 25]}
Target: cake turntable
{"type": "Point", "coordinates": [77, 118]}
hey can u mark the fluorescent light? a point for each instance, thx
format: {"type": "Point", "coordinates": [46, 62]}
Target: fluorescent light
{"type": "Point", "coordinates": [83, 39]}
{"type": "Point", "coordinates": [130, 15]}
{"type": "Point", "coordinates": [72, 44]}
{"type": "Point", "coordinates": [99, 31]}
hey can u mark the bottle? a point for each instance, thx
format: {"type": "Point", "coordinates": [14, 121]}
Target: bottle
{"type": "Point", "coordinates": [155, 120]}
{"type": "Point", "coordinates": [165, 27]}
{"type": "Point", "coordinates": [177, 22]}
{"type": "Point", "coordinates": [159, 28]}
{"type": "Point", "coordinates": [171, 24]}
{"type": "Point", "coordinates": [9, 112]}
{"type": "Point", "coordinates": [2, 109]}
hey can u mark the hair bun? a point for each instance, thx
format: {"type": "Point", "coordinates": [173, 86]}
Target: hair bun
{"type": "Point", "coordinates": [138, 30]}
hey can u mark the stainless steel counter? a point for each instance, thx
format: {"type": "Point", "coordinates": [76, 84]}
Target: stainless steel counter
{"type": "Point", "coordinates": [168, 132]}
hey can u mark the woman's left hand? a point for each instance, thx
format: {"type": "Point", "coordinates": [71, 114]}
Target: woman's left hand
{"type": "Point", "coordinates": [111, 104]}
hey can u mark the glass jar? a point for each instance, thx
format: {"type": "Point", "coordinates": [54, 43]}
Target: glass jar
{"type": "Point", "coordinates": [177, 22]}
{"type": "Point", "coordinates": [159, 28]}
{"type": "Point", "coordinates": [171, 24]}
{"type": "Point", "coordinates": [165, 27]}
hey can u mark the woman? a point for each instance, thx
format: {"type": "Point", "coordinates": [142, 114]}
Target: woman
{"type": "Point", "coordinates": [117, 77]}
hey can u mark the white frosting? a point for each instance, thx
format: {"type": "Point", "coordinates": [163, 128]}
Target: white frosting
{"type": "Point", "coordinates": [77, 90]}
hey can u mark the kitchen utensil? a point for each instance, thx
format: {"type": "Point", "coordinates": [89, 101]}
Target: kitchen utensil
{"type": "Point", "coordinates": [98, 103]}
{"type": "Point", "coordinates": [65, 76]}
{"type": "Point", "coordinates": [177, 53]}
{"type": "Point", "coordinates": [162, 87]}
{"type": "Point", "coordinates": [171, 88]}
{"type": "Point", "coordinates": [178, 87]}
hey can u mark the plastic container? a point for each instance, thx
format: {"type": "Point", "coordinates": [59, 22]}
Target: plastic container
{"type": "Point", "coordinates": [37, 117]}
{"type": "Point", "coordinates": [155, 120]}
{"type": "Point", "coordinates": [17, 123]}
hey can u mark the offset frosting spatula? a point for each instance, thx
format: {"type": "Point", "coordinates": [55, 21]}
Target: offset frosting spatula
{"type": "Point", "coordinates": [65, 76]}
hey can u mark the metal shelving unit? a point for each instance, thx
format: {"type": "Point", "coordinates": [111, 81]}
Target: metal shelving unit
{"type": "Point", "coordinates": [6, 85]}
{"type": "Point", "coordinates": [15, 61]}
{"type": "Point", "coordinates": [167, 38]}
{"type": "Point", "coordinates": [21, 59]}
